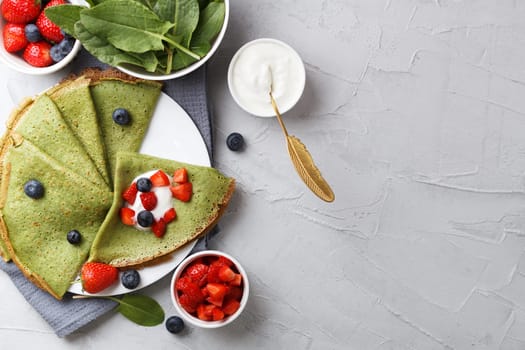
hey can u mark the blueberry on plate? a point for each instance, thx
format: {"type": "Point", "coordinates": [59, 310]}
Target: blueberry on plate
{"type": "Point", "coordinates": [74, 237]}
{"type": "Point", "coordinates": [121, 116]}
{"type": "Point", "coordinates": [144, 184]}
{"type": "Point", "coordinates": [34, 189]}
{"type": "Point", "coordinates": [235, 141]}
{"type": "Point", "coordinates": [145, 218]}
{"type": "Point", "coordinates": [32, 33]}
{"type": "Point", "coordinates": [130, 279]}
{"type": "Point", "coordinates": [174, 324]}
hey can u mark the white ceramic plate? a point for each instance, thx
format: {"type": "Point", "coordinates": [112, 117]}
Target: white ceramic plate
{"type": "Point", "coordinates": [173, 135]}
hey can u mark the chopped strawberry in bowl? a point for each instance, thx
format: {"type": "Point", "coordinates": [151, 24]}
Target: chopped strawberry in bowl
{"type": "Point", "coordinates": [209, 289]}
{"type": "Point", "coordinates": [29, 42]}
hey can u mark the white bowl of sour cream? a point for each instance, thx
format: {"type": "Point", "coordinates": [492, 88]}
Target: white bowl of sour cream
{"type": "Point", "coordinates": [259, 65]}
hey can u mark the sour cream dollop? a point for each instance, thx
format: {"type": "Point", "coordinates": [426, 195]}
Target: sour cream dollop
{"type": "Point", "coordinates": [260, 64]}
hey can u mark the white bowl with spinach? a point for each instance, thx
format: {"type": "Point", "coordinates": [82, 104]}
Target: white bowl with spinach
{"type": "Point", "coordinates": [150, 39]}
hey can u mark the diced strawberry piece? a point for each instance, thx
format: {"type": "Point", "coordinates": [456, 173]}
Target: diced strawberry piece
{"type": "Point", "coordinates": [213, 273]}
{"type": "Point", "coordinates": [170, 215]}
{"type": "Point", "coordinates": [217, 291]}
{"type": "Point", "coordinates": [234, 292]}
{"type": "Point", "coordinates": [222, 260]}
{"type": "Point", "coordinates": [230, 307]}
{"type": "Point", "coordinates": [217, 314]}
{"type": "Point", "coordinates": [198, 273]}
{"type": "Point", "coordinates": [127, 216]}
{"type": "Point", "coordinates": [191, 289]}
{"type": "Point", "coordinates": [187, 303]}
{"type": "Point", "coordinates": [148, 200]}
{"type": "Point", "coordinates": [204, 312]}
{"type": "Point", "coordinates": [182, 283]}
{"type": "Point", "coordinates": [237, 280]}
{"type": "Point", "coordinates": [226, 274]}
{"type": "Point", "coordinates": [180, 176]}
{"type": "Point", "coordinates": [182, 192]}
{"type": "Point", "coordinates": [130, 193]}
{"type": "Point", "coordinates": [204, 292]}
{"type": "Point", "coordinates": [160, 179]}
{"type": "Point", "coordinates": [159, 228]}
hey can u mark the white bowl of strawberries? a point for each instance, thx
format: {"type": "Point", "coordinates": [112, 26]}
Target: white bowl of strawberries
{"type": "Point", "coordinates": [30, 42]}
{"type": "Point", "coordinates": [209, 289]}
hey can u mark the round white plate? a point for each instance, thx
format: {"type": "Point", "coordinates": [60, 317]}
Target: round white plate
{"type": "Point", "coordinates": [172, 135]}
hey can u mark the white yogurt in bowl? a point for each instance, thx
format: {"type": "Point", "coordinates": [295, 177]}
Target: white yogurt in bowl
{"type": "Point", "coordinates": [259, 65]}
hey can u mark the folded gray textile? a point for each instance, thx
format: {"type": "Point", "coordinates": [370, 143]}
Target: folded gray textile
{"type": "Point", "coordinates": [68, 315]}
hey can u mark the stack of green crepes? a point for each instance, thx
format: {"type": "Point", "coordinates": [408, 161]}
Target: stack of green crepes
{"type": "Point", "coordinates": [66, 139]}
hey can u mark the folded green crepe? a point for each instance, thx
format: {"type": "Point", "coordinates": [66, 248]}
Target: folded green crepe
{"type": "Point", "coordinates": [73, 98]}
{"type": "Point", "coordinates": [41, 122]}
{"type": "Point", "coordinates": [111, 90]}
{"type": "Point", "coordinates": [35, 230]}
{"type": "Point", "coordinates": [121, 245]}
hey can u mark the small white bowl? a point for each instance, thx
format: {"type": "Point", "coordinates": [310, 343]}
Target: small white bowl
{"type": "Point", "coordinates": [16, 62]}
{"type": "Point", "coordinates": [189, 318]}
{"type": "Point", "coordinates": [139, 72]}
{"type": "Point", "coordinates": [249, 77]}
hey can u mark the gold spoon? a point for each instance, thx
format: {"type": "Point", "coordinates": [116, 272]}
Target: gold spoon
{"type": "Point", "coordinates": [302, 160]}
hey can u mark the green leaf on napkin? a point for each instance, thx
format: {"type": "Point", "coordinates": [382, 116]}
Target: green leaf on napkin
{"type": "Point", "coordinates": [140, 309]}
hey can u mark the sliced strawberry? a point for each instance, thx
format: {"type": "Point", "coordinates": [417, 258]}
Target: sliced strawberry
{"type": "Point", "coordinates": [217, 314]}
{"type": "Point", "coordinates": [213, 273]}
{"type": "Point", "coordinates": [170, 215]}
{"type": "Point", "coordinates": [182, 192]}
{"type": "Point", "coordinates": [226, 274]}
{"type": "Point", "coordinates": [182, 283]}
{"type": "Point", "coordinates": [237, 280]}
{"type": "Point", "coordinates": [130, 194]}
{"type": "Point", "coordinates": [127, 216]}
{"type": "Point", "coordinates": [180, 176]}
{"type": "Point", "coordinates": [230, 307]}
{"type": "Point", "coordinates": [216, 292]}
{"type": "Point", "coordinates": [234, 292]}
{"type": "Point", "coordinates": [160, 179]}
{"type": "Point", "coordinates": [159, 228]}
{"type": "Point", "coordinates": [222, 260]}
{"type": "Point", "coordinates": [96, 276]}
{"type": "Point", "coordinates": [148, 200]}
{"type": "Point", "coordinates": [205, 312]}
{"type": "Point", "coordinates": [190, 288]}
{"type": "Point", "coordinates": [14, 37]}
{"type": "Point", "coordinates": [198, 273]}
{"type": "Point", "coordinates": [187, 303]}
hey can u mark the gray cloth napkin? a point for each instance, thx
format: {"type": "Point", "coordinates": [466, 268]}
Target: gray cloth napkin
{"type": "Point", "coordinates": [68, 315]}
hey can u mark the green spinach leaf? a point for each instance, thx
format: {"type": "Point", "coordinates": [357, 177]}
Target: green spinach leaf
{"type": "Point", "coordinates": [127, 25]}
{"type": "Point", "coordinates": [210, 22]}
{"type": "Point", "coordinates": [141, 309]}
{"type": "Point", "coordinates": [184, 14]}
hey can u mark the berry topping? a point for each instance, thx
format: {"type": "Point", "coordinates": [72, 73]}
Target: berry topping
{"type": "Point", "coordinates": [96, 276]}
{"type": "Point", "coordinates": [174, 324]}
{"type": "Point", "coordinates": [159, 228]}
{"type": "Point", "coordinates": [20, 11]}
{"type": "Point", "coordinates": [127, 216]}
{"type": "Point", "coordinates": [74, 237]}
{"type": "Point", "coordinates": [148, 200]}
{"type": "Point", "coordinates": [37, 54]}
{"type": "Point", "coordinates": [182, 192]}
{"type": "Point", "coordinates": [180, 176]}
{"type": "Point", "coordinates": [170, 215]}
{"type": "Point", "coordinates": [121, 116]}
{"type": "Point", "coordinates": [145, 218]}
{"type": "Point", "coordinates": [235, 141]}
{"type": "Point", "coordinates": [159, 179]}
{"type": "Point", "coordinates": [32, 33]}
{"type": "Point", "coordinates": [59, 51]}
{"type": "Point", "coordinates": [130, 279]}
{"type": "Point", "coordinates": [34, 189]}
{"type": "Point", "coordinates": [144, 184]}
{"type": "Point", "coordinates": [130, 193]}
{"type": "Point", "coordinates": [14, 37]}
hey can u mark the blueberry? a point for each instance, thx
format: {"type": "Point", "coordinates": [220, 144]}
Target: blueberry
{"type": "Point", "coordinates": [74, 237]}
{"type": "Point", "coordinates": [130, 279]}
{"type": "Point", "coordinates": [34, 189]}
{"type": "Point", "coordinates": [121, 116]}
{"type": "Point", "coordinates": [174, 324]}
{"type": "Point", "coordinates": [144, 184]}
{"type": "Point", "coordinates": [235, 141]}
{"type": "Point", "coordinates": [62, 49]}
{"type": "Point", "coordinates": [145, 218]}
{"type": "Point", "coordinates": [32, 33]}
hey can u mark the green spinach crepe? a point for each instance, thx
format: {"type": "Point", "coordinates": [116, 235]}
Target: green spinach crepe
{"type": "Point", "coordinates": [35, 230]}
{"type": "Point", "coordinates": [121, 245]}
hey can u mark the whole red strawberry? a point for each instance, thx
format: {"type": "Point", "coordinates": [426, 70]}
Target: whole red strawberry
{"type": "Point", "coordinates": [20, 11]}
{"type": "Point", "coordinates": [48, 29]}
{"type": "Point", "coordinates": [14, 37]}
{"type": "Point", "coordinates": [37, 54]}
{"type": "Point", "coordinates": [96, 276]}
